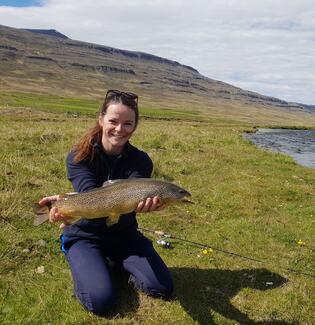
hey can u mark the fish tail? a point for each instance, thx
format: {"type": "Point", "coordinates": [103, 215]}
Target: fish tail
{"type": "Point", "coordinates": [42, 214]}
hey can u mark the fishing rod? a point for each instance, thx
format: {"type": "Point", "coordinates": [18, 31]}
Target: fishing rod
{"type": "Point", "coordinates": [193, 243]}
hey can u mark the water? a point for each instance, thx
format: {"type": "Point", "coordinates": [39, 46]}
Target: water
{"type": "Point", "coordinates": [299, 144]}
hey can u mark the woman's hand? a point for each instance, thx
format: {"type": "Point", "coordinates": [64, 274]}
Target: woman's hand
{"type": "Point", "coordinates": [54, 215]}
{"type": "Point", "coordinates": [150, 204]}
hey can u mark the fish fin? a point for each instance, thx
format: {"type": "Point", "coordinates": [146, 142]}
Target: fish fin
{"type": "Point", "coordinates": [41, 209]}
{"type": "Point", "coordinates": [187, 201]}
{"type": "Point", "coordinates": [112, 219]}
{"type": "Point", "coordinates": [65, 195]}
{"type": "Point", "coordinates": [42, 214]}
{"type": "Point", "coordinates": [73, 220]}
{"type": "Point", "coordinates": [110, 182]}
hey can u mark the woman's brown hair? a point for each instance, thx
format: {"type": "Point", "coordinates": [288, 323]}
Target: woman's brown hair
{"type": "Point", "coordinates": [84, 149]}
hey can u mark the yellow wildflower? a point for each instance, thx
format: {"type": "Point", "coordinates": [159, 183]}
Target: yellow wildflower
{"type": "Point", "coordinates": [207, 251]}
{"type": "Point", "coordinates": [301, 242]}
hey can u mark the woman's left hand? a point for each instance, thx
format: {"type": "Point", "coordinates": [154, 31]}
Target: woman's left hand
{"type": "Point", "coordinates": [150, 204]}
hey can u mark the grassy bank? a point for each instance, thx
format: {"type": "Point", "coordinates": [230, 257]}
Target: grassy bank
{"type": "Point", "coordinates": [78, 107]}
{"type": "Point", "coordinates": [247, 200]}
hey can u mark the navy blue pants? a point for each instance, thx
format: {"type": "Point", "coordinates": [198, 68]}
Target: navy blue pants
{"type": "Point", "coordinates": [88, 260]}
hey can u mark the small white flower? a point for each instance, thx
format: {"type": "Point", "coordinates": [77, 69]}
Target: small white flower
{"type": "Point", "coordinates": [40, 269]}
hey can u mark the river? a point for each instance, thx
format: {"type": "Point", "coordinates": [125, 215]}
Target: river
{"type": "Point", "coordinates": [299, 144]}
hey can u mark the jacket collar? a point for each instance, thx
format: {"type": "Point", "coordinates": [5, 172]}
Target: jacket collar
{"type": "Point", "coordinates": [128, 148]}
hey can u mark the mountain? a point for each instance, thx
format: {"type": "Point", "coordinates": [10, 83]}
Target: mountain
{"type": "Point", "coordinates": [309, 108]}
{"type": "Point", "coordinates": [49, 32]}
{"type": "Point", "coordinates": [47, 61]}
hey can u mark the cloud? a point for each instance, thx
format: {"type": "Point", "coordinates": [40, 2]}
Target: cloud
{"type": "Point", "coordinates": [264, 46]}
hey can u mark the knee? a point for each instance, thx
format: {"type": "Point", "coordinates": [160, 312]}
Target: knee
{"type": "Point", "coordinates": [154, 287]}
{"type": "Point", "coordinates": [98, 302]}
{"type": "Point", "coordinates": [163, 290]}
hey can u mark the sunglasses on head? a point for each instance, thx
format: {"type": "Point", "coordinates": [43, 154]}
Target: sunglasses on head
{"type": "Point", "coordinates": [117, 93]}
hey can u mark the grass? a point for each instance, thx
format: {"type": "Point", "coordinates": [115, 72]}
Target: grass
{"type": "Point", "coordinates": [249, 201]}
{"type": "Point", "coordinates": [75, 106]}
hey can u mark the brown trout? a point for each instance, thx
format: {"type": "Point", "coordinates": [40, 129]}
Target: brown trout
{"type": "Point", "coordinates": [112, 199]}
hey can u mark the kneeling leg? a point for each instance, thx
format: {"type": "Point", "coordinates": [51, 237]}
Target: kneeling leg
{"type": "Point", "coordinates": [92, 283]}
{"type": "Point", "coordinates": [147, 270]}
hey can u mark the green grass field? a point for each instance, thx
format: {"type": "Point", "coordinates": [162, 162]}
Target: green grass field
{"type": "Point", "coordinates": [247, 200]}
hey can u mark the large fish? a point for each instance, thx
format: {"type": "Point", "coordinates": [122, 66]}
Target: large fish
{"type": "Point", "coordinates": [112, 199]}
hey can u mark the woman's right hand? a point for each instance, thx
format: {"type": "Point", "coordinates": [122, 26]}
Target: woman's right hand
{"type": "Point", "coordinates": [54, 215]}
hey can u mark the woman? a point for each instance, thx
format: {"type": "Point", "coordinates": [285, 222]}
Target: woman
{"type": "Point", "coordinates": [104, 153]}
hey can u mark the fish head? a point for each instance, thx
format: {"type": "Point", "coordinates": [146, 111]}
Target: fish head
{"type": "Point", "coordinates": [173, 192]}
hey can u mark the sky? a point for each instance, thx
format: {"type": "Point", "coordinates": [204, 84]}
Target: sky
{"type": "Point", "coordinates": [266, 46]}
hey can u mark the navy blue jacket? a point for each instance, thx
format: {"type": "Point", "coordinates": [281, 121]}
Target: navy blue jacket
{"type": "Point", "coordinates": [86, 175]}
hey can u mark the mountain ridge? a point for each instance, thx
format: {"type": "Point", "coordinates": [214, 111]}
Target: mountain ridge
{"type": "Point", "coordinates": [48, 32]}
{"type": "Point", "coordinates": [73, 68]}
{"type": "Point", "coordinates": [143, 55]}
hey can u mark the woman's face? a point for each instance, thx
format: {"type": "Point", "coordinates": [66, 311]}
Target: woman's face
{"type": "Point", "coordinates": [118, 125]}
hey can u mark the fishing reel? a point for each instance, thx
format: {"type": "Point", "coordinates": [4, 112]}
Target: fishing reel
{"type": "Point", "coordinates": [164, 243]}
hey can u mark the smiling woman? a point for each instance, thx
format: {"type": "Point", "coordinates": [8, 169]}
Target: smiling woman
{"type": "Point", "coordinates": [104, 153]}
{"type": "Point", "coordinates": [20, 3]}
